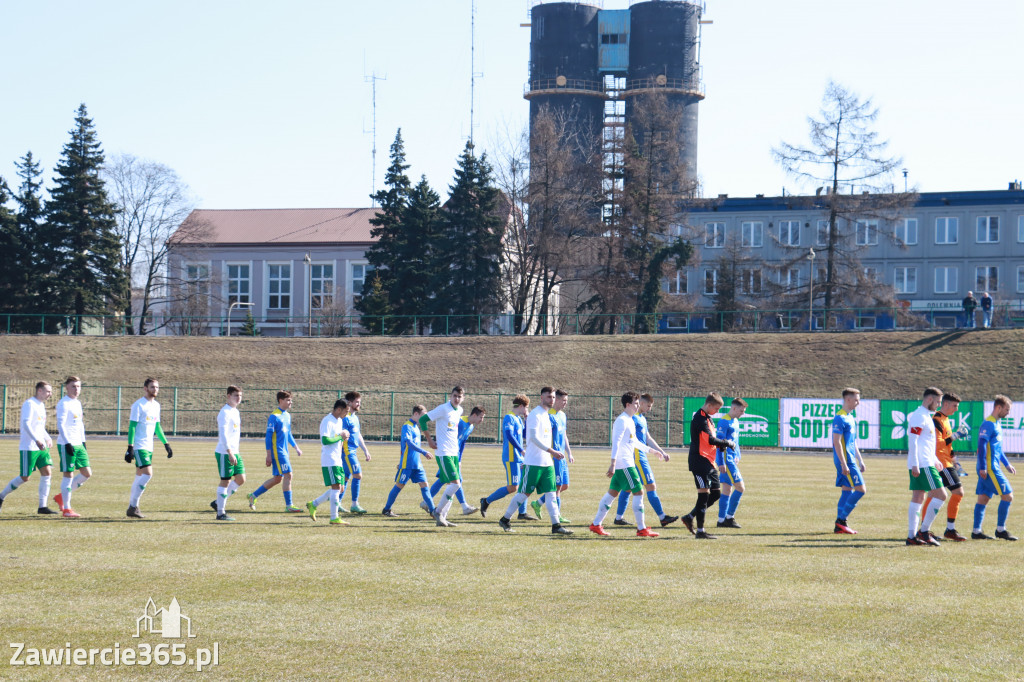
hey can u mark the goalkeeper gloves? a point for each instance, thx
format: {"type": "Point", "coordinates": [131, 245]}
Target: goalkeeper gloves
{"type": "Point", "coordinates": [730, 444]}
{"type": "Point", "coordinates": [129, 455]}
{"type": "Point", "coordinates": [962, 432]}
{"type": "Point", "coordinates": [960, 471]}
{"type": "Point", "coordinates": [170, 453]}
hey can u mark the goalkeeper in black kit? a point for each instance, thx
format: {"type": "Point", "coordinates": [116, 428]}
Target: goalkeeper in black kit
{"type": "Point", "coordinates": [703, 447]}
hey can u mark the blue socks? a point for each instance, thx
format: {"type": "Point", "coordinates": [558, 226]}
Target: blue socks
{"type": "Point", "coordinates": [355, 490]}
{"type": "Point", "coordinates": [288, 497]}
{"type": "Point", "coordinates": [392, 496]}
{"type": "Point", "coordinates": [655, 501]}
{"type": "Point", "coordinates": [734, 501]}
{"type": "Point", "coordinates": [497, 494]}
{"type": "Point", "coordinates": [259, 491]}
{"type": "Point", "coordinates": [1004, 511]}
{"type": "Point", "coordinates": [979, 516]}
{"type": "Point", "coordinates": [428, 498]}
{"type": "Point", "coordinates": [844, 498]}
{"type": "Point", "coordinates": [623, 503]}
{"type": "Point", "coordinates": [851, 503]}
{"type": "Point", "coordinates": [460, 496]}
{"type": "Point", "coordinates": [435, 487]}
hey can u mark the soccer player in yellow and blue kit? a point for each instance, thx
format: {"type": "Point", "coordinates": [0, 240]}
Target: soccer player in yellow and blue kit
{"type": "Point", "coordinates": [991, 479]}
{"type": "Point", "coordinates": [466, 425]}
{"type": "Point", "coordinates": [513, 435]}
{"type": "Point", "coordinates": [278, 439]}
{"type": "Point", "coordinates": [350, 449]}
{"type": "Point", "coordinates": [849, 475]}
{"type": "Point", "coordinates": [643, 466]}
{"type": "Point", "coordinates": [727, 460]}
{"type": "Point", "coordinates": [409, 467]}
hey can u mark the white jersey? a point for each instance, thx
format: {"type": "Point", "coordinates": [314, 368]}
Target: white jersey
{"type": "Point", "coordinates": [70, 422]}
{"type": "Point", "coordinates": [33, 425]}
{"type": "Point", "coordinates": [330, 455]}
{"type": "Point", "coordinates": [921, 440]}
{"type": "Point", "coordinates": [624, 442]}
{"type": "Point", "coordinates": [538, 438]}
{"type": "Point", "coordinates": [229, 430]}
{"type": "Point", "coordinates": [147, 414]}
{"type": "Point", "coordinates": [446, 430]}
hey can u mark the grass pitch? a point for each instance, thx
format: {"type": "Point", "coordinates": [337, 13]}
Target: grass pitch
{"type": "Point", "coordinates": [285, 598]}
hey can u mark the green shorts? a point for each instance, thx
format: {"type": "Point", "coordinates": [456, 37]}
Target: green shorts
{"type": "Point", "coordinates": [537, 478]}
{"type": "Point", "coordinates": [627, 479]}
{"type": "Point", "coordinates": [333, 476]}
{"type": "Point", "coordinates": [448, 469]}
{"type": "Point", "coordinates": [32, 460]}
{"type": "Point", "coordinates": [143, 458]}
{"type": "Point", "coordinates": [73, 457]}
{"type": "Point", "coordinates": [927, 480]}
{"type": "Point", "coordinates": [226, 468]}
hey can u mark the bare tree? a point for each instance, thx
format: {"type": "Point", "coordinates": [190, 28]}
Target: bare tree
{"type": "Point", "coordinates": [846, 159]}
{"type": "Point", "coordinates": [153, 204]}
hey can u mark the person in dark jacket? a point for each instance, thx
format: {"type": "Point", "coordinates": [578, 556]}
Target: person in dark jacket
{"type": "Point", "coordinates": [970, 304]}
{"type": "Point", "coordinates": [703, 448]}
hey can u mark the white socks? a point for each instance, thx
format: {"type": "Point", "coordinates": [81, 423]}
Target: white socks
{"type": "Point", "coordinates": [913, 514]}
{"type": "Point", "coordinates": [335, 498]}
{"type": "Point", "coordinates": [232, 487]}
{"type": "Point", "coordinates": [448, 495]}
{"type": "Point", "coordinates": [551, 504]}
{"type": "Point", "coordinates": [323, 498]}
{"type": "Point", "coordinates": [11, 487]}
{"type": "Point", "coordinates": [517, 500]}
{"type": "Point", "coordinates": [138, 488]}
{"type": "Point", "coordinates": [929, 515]}
{"type": "Point", "coordinates": [65, 491]}
{"type": "Point", "coordinates": [44, 490]}
{"type": "Point", "coordinates": [638, 511]}
{"type": "Point", "coordinates": [603, 507]}
{"type": "Point", "coordinates": [222, 497]}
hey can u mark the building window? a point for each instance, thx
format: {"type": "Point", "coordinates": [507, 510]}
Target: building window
{"type": "Point", "coordinates": [279, 287]}
{"type": "Point", "coordinates": [789, 232]}
{"type": "Point", "coordinates": [197, 279]}
{"type": "Point", "coordinates": [904, 280]}
{"type": "Point", "coordinates": [946, 230]}
{"type": "Point", "coordinates": [821, 275]}
{"type": "Point", "coordinates": [988, 229]}
{"type": "Point", "coordinates": [1020, 229]}
{"type": "Point", "coordinates": [790, 278]}
{"type": "Point", "coordinates": [822, 239]}
{"type": "Point", "coordinates": [867, 232]}
{"type": "Point", "coordinates": [321, 282]}
{"type": "Point", "coordinates": [871, 274]}
{"type": "Point", "coordinates": [714, 235]}
{"type": "Point", "coordinates": [906, 231]}
{"type": "Point", "coordinates": [987, 278]}
{"type": "Point", "coordinates": [1020, 279]}
{"type": "Point", "coordinates": [360, 273]}
{"type": "Point", "coordinates": [238, 284]}
{"type": "Point", "coordinates": [945, 279]}
{"type": "Point", "coordinates": [711, 282]}
{"type": "Point", "coordinates": [753, 234]}
{"type": "Point", "coordinates": [750, 282]}
{"type": "Point", "coordinates": [676, 284]}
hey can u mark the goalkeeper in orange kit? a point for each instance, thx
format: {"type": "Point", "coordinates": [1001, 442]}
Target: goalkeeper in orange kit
{"type": "Point", "coordinates": [951, 469]}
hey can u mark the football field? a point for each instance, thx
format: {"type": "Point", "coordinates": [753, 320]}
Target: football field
{"type": "Point", "coordinates": [277, 596]}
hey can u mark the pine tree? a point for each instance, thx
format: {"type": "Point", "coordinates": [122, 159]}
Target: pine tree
{"type": "Point", "coordinates": [249, 327]}
{"type": "Point", "coordinates": [375, 306]}
{"type": "Point", "coordinates": [33, 279]}
{"type": "Point", "coordinates": [417, 266]}
{"type": "Point", "coordinates": [80, 245]}
{"type": "Point", "coordinates": [387, 229]}
{"type": "Point", "coordinates": [470, 245]}
{"type": "Point", "coordinates": [12, 280]}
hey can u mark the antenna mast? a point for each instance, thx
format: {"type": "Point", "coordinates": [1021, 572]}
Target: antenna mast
{"type": "Point", "coordinates": [473, 74]}
{"type": "Point", "coordinates": [372, 80]}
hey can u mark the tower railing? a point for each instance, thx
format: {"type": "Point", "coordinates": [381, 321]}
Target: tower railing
{"type": "Point", "coordinates": [687, 86]}
{"type": "Point", "coordinates": [563, 85]}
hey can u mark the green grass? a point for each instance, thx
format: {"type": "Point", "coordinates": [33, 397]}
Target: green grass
{"type": "Point", "coordinates": [401, 599]}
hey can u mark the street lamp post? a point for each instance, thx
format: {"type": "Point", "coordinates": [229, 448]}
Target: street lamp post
{"type": "Point", "coordinates": [810, 297]}
{"type": "Point", "coordinates": [236, 304]}
{"type": "Point", "coordinates": [309, 291]}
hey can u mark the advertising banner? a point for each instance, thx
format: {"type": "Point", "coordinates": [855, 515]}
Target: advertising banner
{"type": "Point", "coordinates": [759, 425]}
{"type": "Point", "coordinates": [1013, 428]}
{"type": "Point", "coordinates": [893, 418]}
{"type": "Point", "coordinates": [807, 423]}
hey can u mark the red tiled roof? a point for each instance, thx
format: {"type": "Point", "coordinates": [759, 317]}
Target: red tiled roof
{"type": "Point", "coordinates": [277, 226]}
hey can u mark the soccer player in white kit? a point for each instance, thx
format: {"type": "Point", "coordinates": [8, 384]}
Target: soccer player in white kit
{"type": "Point", "coordinates": [34, 447]}
{"type": "Point", "coordinates": [143, 424]}
{"type": "Point", "coordinates": [538, 465]}
{"type": "Point", "coordinates": [924, 470]}
{"type": "Point", "coordinates": [229, 459]}
{"type": "Point", "coordinates": [446, 417]}
{"type": "Point", "coordinates": [332, 436]}
{"type": "Point", "coordinates": [74, 459]}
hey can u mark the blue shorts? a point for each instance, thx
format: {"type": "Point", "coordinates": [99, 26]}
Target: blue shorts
{"type": "Point", "coordinates": [994, 485]}
{"type": "Point", "coordinates": [411, 476]}
{"type": "Point", "coordinates": [644, 467]}
{"type": "Point", "coordinates": [561, 472]}
{"type": "Point", "coordinates": [350, 463]}
{"type": "Point", "coordinates": [279, 464]}
{"type": "Point", "coordinates": [852, 481]}
{"type": "Point", "coordinates": [732, 473]}
{"type": "Point", "coordinates": [513, 473]}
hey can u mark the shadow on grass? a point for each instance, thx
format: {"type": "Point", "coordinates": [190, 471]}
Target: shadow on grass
{"type": "Point", "coordinates": [937, 341]}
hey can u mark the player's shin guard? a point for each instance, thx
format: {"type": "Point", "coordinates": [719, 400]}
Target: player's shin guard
{"type": "Point", "coordinates": [517, 503]}
{"type": "Point", "coordinates": [65, 492]}
{"type": "Point", "coordinates": [44, 490]}
{"type": "Point", "coordinates": [652, 497]}
{"type": "Point", "coordinates": [723, 507]}
{"type": "Point", "coordinates": [222, 496]}
{"type": "Point", "coordinates": [934, 505]}
{"type": "Point", "coordinates": [734, 503]}
{"type": "Point", "coordinates": [78, 481]}
{"type": "Point", "coordinates": [551, 504]}
{"type": "Point", "coordinates": [844, 498]}
{"type": "Point", "coordinates": [428, 499]}
{"type": "Point", "coordinates": [354, 490]}
{"type": "Point", "coordinates": [1004, 511]}
{"type": "Point", "coordinates": [952, 509]}
{"type": "Point", "coordinates": [851, 503]}
{"type": "Point", "coordinates": [448, 495]}
{"type": "Point", "coordinates": [287, 497]}
{"type": "Point", "coordinates": [138, 488]}
{"type": "Point", "coordinates": [392, 496]}
{"type": "Point", "coordinates": [603, 507]}
{"type": "Point", "coordinates": [623, 502]}
{"type": "Point", "coordinates": [638, 511]}
{"type": "Point", "coordinates": [913, 515]}
{"type": "Point", "coordinates": [11, 487]}
{"type": "Point", "coordinates": [460, 495]}
{"type": "Point", "coordinates": [335, 497]}
{"type": "Point", "coordinates": [979, 517]}
{"type": "Point", "coordinates": [232, 487]}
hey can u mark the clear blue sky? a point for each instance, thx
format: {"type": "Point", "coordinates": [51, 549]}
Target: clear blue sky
{"type": "Point", "coordinates": [264, 104]}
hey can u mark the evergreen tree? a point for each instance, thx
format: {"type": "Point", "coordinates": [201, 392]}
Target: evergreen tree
{"type": "Point", "coordinates": [33, 280]}
{"type": "Point", "coordinates": [80, 245]}
{"type": "Point", "coordinates": [249, 327]}
{"type": "Point", "coordinates": [386, 252]}
{"type": "Point", "coordinates": [375, 306]}
{"type": "Point", "coordinates": [416, 268]}
{"type": "Point", "coordinates": [11, 275]}
{"type": "Point", "coordinates": [470, 245]}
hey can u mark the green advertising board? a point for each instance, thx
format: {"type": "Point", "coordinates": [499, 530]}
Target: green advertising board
{"type": "Point", "coordinates": [759, 426]}
{"type": "Point", "coordinates": [893, 423]}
